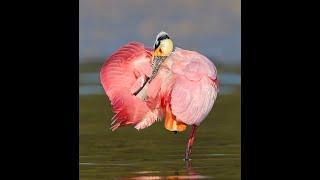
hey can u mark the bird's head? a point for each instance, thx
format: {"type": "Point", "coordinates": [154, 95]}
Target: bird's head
{"type": "Point", "coordinates": [163, 46]}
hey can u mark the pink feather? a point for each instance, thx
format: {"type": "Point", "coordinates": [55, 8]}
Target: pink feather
{"type": "Point", "coordinates": [121, 75]}
{"type": "Point", "coordinates": [187, 81]}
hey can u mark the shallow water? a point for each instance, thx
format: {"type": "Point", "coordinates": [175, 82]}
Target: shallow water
{"type": "Point", "coordinates": [155, 153]}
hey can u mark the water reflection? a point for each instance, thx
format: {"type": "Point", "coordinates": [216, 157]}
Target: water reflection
{"type": "Point", "coordinates": [187, 173]}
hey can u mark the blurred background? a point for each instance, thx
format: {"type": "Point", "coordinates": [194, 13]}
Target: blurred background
{"type": "Point", "coordinates": [211, 27]}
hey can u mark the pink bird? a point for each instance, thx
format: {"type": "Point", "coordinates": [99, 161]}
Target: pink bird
{"type": "Point", "coordinates": [145, 85]}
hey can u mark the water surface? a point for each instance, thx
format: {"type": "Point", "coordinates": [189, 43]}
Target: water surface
{"type": "Point", "coordinates": [155, 153]}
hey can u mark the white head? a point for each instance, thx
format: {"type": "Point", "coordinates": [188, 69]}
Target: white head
{"type": "Point", "coordinates": [163, 46]}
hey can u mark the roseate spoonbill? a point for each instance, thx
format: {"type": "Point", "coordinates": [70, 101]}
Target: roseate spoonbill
{"type": "Point", "coordinates": [145, 85]}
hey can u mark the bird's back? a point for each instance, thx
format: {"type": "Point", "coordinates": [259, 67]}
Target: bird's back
{"type": "Point", "coordinates": [188, 87]}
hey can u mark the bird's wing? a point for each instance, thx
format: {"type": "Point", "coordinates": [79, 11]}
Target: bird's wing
{"type": "Point", "coordinates": [122, 74]}
{"type": "Point", "coordinates": [195, 86]}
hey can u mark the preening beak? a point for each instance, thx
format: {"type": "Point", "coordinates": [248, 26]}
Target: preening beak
{"type": "Point", "coordinates": [163, 47]}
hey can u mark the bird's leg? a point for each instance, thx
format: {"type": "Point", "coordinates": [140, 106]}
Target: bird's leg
{"type": "Point", "coordinates": [190, 142]}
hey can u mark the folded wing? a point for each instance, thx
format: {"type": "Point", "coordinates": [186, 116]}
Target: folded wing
{"type": "Point", "coordinates": [190, 88]}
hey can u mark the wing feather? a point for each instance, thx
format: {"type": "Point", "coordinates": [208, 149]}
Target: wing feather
{"type": "Point", "coordinates": [120, 75]}
{"type": "Point", "coordinates": [194, 88]}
